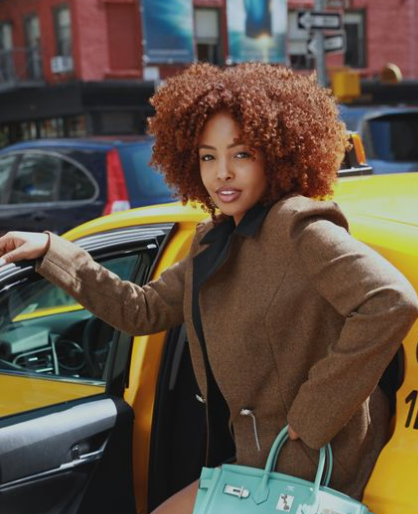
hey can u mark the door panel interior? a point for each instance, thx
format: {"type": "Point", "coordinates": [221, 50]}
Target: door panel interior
{"type": "Point", "coordinates": [52, 460]}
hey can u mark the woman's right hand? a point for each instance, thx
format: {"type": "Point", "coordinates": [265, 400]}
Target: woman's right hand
{"type": "Point", "coordinates": [18, 246]}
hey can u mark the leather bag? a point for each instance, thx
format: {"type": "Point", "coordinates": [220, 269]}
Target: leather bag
{"type": "Point", "coordinates": [234, 489]}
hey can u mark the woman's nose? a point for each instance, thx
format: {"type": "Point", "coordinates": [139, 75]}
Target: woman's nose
{"type": "Point", "coordinates": [224, 171]}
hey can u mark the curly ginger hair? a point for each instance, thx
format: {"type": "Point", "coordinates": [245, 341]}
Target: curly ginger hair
{"type": "Point", "coordinates": [288, 117]}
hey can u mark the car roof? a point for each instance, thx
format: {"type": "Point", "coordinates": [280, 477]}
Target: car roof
{"type": "Point", "coordinates": [378, 109]}
{"type": "Point", "coordinates": [161, 213]}
{"type": "Point", "coordinates": [86, 143]}
{"type": "Point", "coordinates": [391, 197]}
{"type": "Point", "coordinates": [354, 115]}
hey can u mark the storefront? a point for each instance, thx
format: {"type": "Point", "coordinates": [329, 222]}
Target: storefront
{"type": "Point", "coordinates": [74, 110]}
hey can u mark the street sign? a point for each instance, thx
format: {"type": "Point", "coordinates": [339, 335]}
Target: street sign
{"type": "Point", "coordinates": [332, 44]}
{"type": "Point", "coordinates": [319, 20]}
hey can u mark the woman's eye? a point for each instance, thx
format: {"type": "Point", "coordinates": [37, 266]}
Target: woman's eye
{"type": "Point", "coordinates": [206, 157]}
{"type": "Point", "coordinates": [243, 155]}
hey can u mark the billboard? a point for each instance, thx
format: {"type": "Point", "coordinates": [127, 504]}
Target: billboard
{"type": "Point", "coordinates": [257, 30]}
{"type": "Point", "coordinates": [168, 31]}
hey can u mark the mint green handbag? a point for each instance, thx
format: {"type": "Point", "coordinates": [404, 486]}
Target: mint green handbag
{"type": "Point", "coordinates": [233, 489]}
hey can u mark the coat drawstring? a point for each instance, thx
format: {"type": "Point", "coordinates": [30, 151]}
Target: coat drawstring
{"type": "Point", "coordinates": [249, 412]}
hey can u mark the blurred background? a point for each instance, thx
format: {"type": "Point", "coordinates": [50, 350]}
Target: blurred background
{"type": "Point", "coordinates": [80, 67]}
{"type": "Point", "coordinates": [76, 77]}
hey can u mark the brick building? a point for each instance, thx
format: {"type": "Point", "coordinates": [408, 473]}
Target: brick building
{"type": "Point", "coordinates": [73, 67]}
{"type": "Point", "coordinates": [377, 33]}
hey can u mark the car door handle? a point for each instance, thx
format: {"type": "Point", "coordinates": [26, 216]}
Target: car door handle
{"type": "Point", "coordinates": [78, 458]}
{"type": "Point", "coordinates": [82, 459]}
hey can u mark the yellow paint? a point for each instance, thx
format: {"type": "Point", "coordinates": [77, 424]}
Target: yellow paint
{"type": "Point", "coordinates": [21, 393]}
{"type": "Point", "coordinates": [365, 200]}
{"type": "Point", "coordinates": [167, 213]}
{"type": "Point", "coordinates": [382, 213]}
{"type": "Point", "coordinates": [50, 311]}
{"type": "Point", "coordinates": [145, 364]}
{"type": "Point", "coordinates": [359, 148]}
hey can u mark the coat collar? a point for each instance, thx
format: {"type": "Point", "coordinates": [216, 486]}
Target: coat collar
{"type": "Point", "coordinates": [247, 227]}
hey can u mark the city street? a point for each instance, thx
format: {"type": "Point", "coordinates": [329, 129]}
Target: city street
{"type": "Point", "coordinates": [208, 248]}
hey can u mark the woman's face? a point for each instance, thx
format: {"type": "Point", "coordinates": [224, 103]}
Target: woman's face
{"type": "Point", "coordinates": [232, 173]}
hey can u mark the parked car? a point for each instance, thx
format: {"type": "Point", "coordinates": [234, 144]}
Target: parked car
{"type": "Point", "coordinates": [389, 134]}
{"type": "Point", "coordinates": [56, 184]}
{"type": "Point", "coordinates": [93, 420]}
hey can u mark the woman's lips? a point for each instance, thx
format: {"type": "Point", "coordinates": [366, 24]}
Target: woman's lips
{"type": "Point", "coordinates": [228, 195]}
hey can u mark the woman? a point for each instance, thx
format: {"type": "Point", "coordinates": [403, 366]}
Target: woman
{"type": "Point", "coordinates": [290, 320]}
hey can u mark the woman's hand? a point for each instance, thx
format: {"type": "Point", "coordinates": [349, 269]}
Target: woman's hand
{"type": "Point", "coordinates": [292, 434]}
{"type": "Point", "coordinates": [18, 246]}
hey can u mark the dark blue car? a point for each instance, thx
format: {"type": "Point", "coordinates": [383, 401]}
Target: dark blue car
{"type": "Point", "coordinates": [56, 184]}
{"type": "Point", "coordinates": [389, 134]}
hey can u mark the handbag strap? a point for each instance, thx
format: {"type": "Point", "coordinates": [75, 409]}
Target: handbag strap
{"type": "Point", "coordinates": [325, 454]}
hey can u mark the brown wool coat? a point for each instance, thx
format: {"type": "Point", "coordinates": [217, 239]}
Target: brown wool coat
{"type": "Point", "coordinates": [300, 322]}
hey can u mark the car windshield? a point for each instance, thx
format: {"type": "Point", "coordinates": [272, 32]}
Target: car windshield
{"type": "Point", "coordinates": [392, 137]}
{"type": "Point", "coordinates": [144, 182]}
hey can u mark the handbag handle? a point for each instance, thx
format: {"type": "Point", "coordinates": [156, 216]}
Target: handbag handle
{"type": "Point", "coordinates": [278, 445]}
{"type": "Point", "coordinates": [325, 454]}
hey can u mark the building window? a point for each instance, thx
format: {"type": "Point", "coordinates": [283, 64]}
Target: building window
{"type": "Point", "coordinates": [63, 61]}
{"type": "Point", "coordinates": [7, 69]}
{"type": "Point", "coordinates": [354, 24]}
{"type": "Point", "coordinates": [62, 25]}
{"type": "Point", "coordinates": [207, 34]}
{"type": "Point", "coordinates": [33, 47]}
{"type": "Point", "coordinates": [297, 44]}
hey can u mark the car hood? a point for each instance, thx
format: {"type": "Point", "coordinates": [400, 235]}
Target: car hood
{"type": "Point", "coordinates": [390, 197]}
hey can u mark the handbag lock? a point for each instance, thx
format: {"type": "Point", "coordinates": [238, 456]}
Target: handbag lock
{"type": "Point", "coordinates": [240, 492]}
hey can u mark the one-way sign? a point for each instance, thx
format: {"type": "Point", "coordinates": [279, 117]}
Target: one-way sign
{"type": "Point", "coordinates": [334, 43]}
{"type": "Point", "coordinates": [318, 20]}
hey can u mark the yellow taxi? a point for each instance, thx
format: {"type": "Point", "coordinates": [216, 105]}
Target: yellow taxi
{"type": "Point", "coordinates": [93, 420]}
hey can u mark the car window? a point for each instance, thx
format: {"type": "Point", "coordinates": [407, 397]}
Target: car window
{"type": "Point", "coordinates": [46, 334]}
{"type": "Point", "coordinates": [6, 168]}
{"type": "Point", "coordinates": [36, 179]}
{"type": "Point", "coordinates": [144, 183]}
{"type": "Point", "coordinates": [75, 184]}
{"type": "Point", "coordinates": [393, 138]}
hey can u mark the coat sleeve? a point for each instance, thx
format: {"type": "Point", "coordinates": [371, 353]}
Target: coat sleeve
{"type": "Point", "coordinates": [133, 309]}
{"type": "Point", "coordinates": [379, 306]}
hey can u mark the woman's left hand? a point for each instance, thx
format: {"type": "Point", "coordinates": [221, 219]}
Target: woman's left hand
{"type": "Point", "coordinates": [292, 434]}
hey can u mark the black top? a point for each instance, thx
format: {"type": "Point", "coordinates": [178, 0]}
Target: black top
{"type": "Point", "coordinates": [221, 445]}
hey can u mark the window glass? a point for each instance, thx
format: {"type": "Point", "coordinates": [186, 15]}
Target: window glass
{"type": "Point", "coordinates": [44, 331]}
{"type": "Point", "coordinates": [52, 350]}
{"type": "Point", "coordinates": [207, 35]}
{"type": "Point", "coordinates": [393, 138]}
{"type": "Point", "coordinates": [62, 22]}
{"type": "Point", "coordinates": [52, 127]}
{"type": "Point", "coordinates": [75, 184]}
{"type": "Point", "coordinates": [6, 167]}
{"type": "Point", "coordinates": [145, 184]}
{"type": "Point", "coordinates": [7, 65]}
{"type": "Point", "coordinates": [76, 126]}
{"type": "Point", "coordinates": [29, 130]}
{"type": "Point", "coordinates": [354, 26]}
{"type": "Point", "coordinates": [32, 43]}
{"type": "Point", "coordinates": [36, 179]}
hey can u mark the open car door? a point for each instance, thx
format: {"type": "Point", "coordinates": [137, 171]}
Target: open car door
{"type": "Point", "coordinates": [65, 430]}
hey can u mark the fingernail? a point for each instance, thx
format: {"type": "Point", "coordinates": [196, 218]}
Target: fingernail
{"type": "Point", "coordinates": [2, 262]}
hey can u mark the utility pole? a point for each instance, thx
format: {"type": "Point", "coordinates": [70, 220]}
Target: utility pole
{"type": "Point", "coordinates": [320, 56]}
